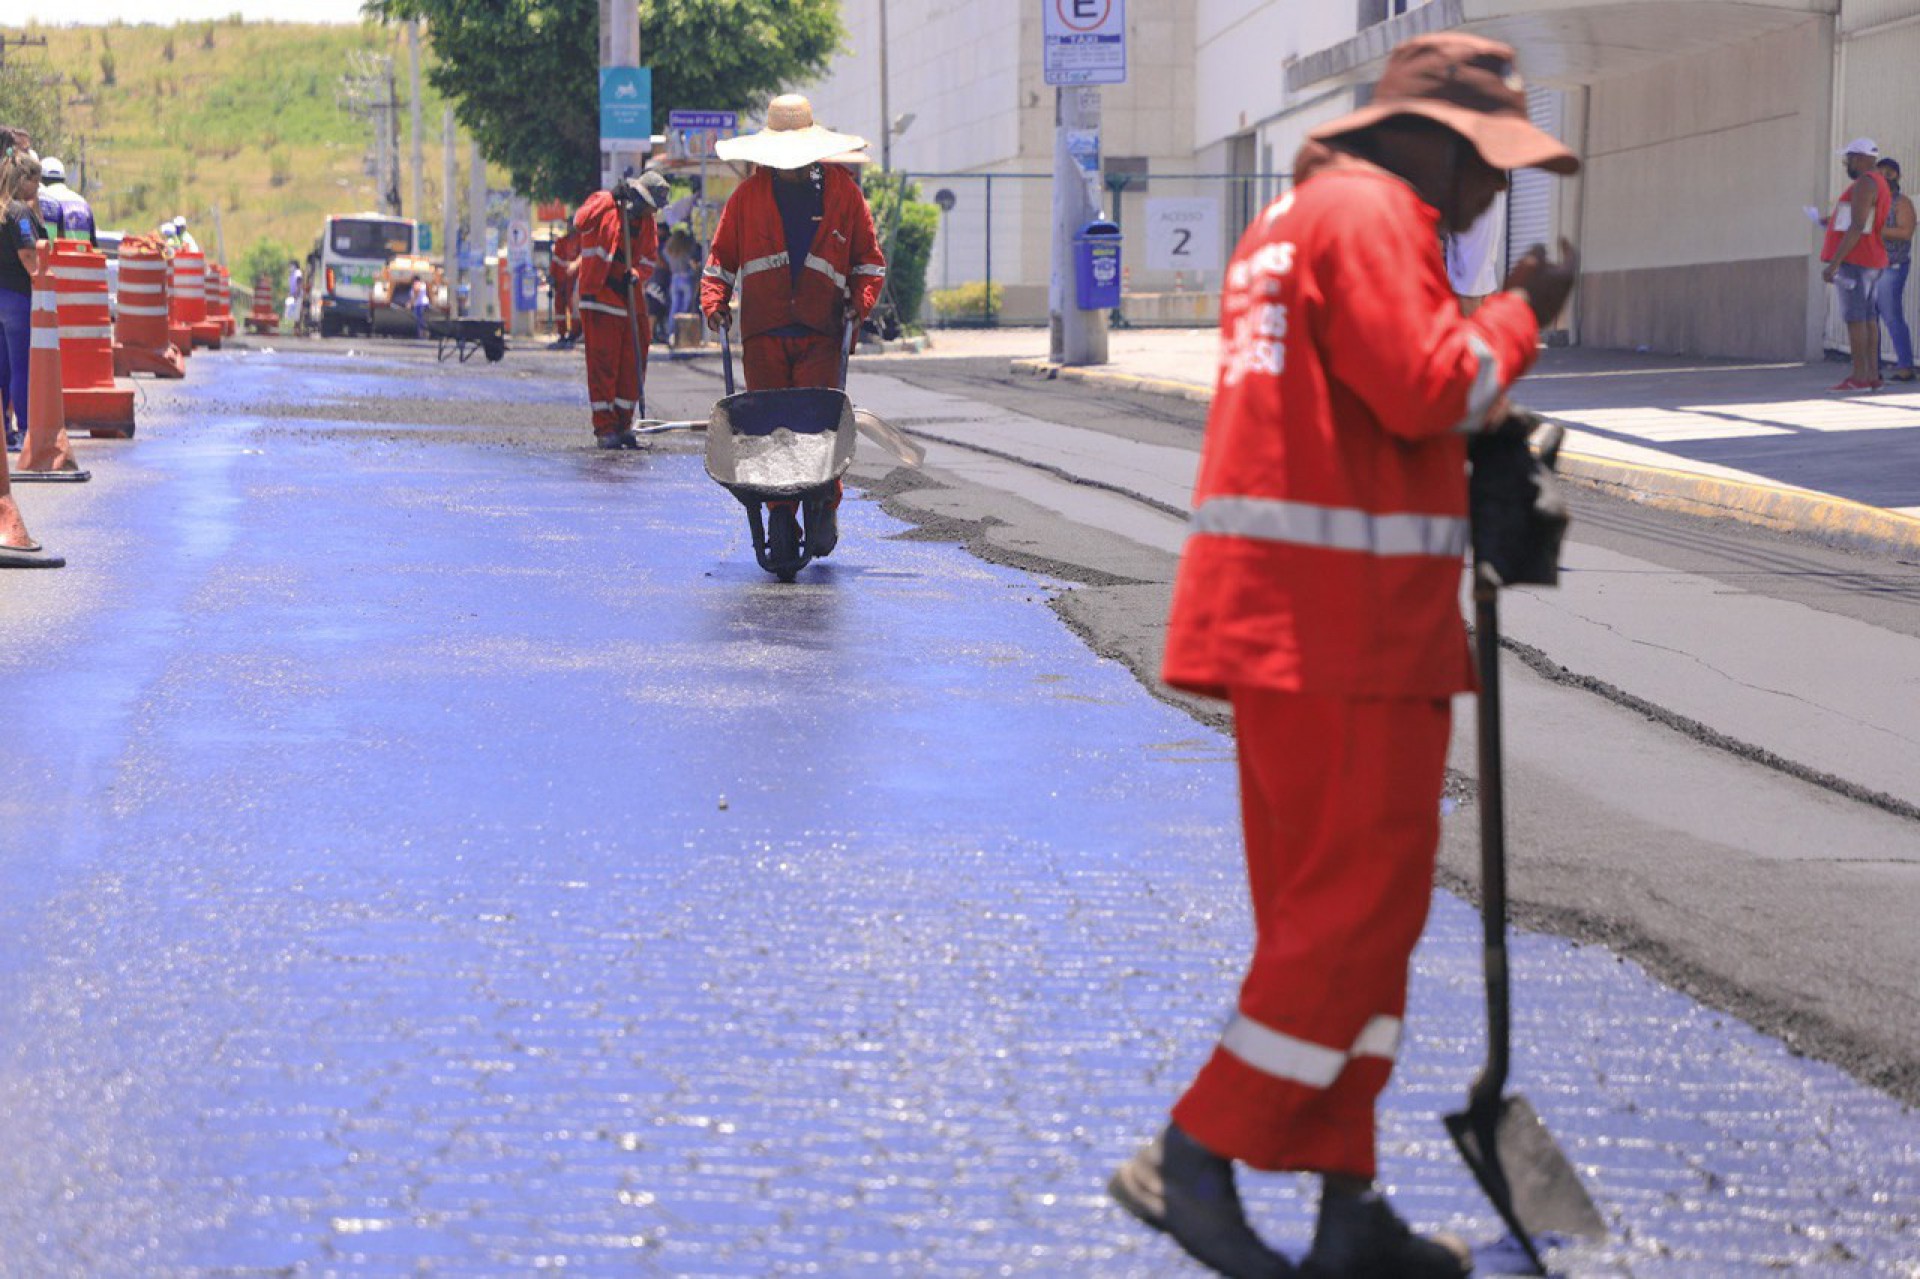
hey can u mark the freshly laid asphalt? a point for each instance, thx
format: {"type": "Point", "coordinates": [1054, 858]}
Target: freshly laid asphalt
{"type": "Point", "coordinates": [434, 847]}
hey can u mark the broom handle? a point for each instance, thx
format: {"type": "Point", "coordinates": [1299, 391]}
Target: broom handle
{"type": "Point", "coordinates": [1493, 840]}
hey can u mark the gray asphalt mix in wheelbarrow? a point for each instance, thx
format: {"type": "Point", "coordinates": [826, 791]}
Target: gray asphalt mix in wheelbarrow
{"type": "Point", "coordinates": [465, 860]}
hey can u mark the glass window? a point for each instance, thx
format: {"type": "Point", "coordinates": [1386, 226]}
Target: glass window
{"type": "Point", "coordinates": [368, 238]}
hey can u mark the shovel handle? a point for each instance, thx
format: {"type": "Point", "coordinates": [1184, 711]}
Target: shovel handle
{"type": "Point", "coordinates": [726, 354]}
{"type": "Point", "coordinates": [1493, 840]}
{"type": "Point", "coordinates": [846, 346]}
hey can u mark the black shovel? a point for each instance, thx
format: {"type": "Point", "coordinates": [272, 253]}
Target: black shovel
{"type": "Point", "coordinates": [1529, 1179]}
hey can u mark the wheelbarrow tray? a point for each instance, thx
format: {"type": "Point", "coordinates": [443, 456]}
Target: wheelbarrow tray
{"type": "Point", "coordinates": [777, 445]}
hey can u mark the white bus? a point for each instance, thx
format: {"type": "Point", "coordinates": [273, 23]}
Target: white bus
{"type": "Point", "coordinates": [352, 251]}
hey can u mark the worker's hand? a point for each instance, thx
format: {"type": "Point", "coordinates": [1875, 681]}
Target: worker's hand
{"type": "Point", "coordinates": [1544, 282]}
{"type": "Point", "coordinates": [619, 279]}
{"type": "Point", "coordinates": [721, 319]}
{"type": "Point", "coordinates": [1833, 269]}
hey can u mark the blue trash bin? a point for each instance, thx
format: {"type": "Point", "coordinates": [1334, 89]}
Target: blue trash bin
{"type": "Point", "coordinates": [1096, 260]}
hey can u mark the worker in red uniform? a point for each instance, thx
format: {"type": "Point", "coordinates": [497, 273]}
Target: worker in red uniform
{"type": "Point", "coordinates": [796, 241]}
{"type": "Point", "coordinates": [562, 273]}
{"type": "Point", "coordinates": [1318, 594]}
{"type": "Point", "coordinates": [611, 303]}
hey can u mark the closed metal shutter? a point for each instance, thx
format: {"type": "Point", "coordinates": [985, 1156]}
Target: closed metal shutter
{"type": "Point", "coordinates": [1530, 197]}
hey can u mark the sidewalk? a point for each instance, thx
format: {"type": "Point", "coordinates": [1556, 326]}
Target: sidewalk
{"type": "Point", "coordinates": [1764, 443]}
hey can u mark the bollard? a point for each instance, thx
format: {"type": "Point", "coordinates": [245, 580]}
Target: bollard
{"type": "Point", "coordinates": [88, 394]}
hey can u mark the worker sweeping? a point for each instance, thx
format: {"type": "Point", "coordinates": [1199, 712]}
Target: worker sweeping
{"type": "Point", "coordinates": [1319, 594]}
{"type": "Point", "coordinates": [618, 245]}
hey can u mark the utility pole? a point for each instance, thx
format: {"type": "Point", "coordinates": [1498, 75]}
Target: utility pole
{"type": "Point", "coordinates": [476, 228]}
{"type": "Point", "coordinates": [390, 180]}
{"type": "Point", "coordinates": [620, 47]}
{"type": "Point", "coordinates": [419, 206]}
{"type": "Point", "coordinates": [886, 111]}
{"type": "Point", "coordinates": [449, 241]}
{"type": "Point", "coordinates": [1078, 337]}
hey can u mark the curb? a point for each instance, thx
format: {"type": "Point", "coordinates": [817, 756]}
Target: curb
{"type": "Point", "coordinates": [1830, 520]}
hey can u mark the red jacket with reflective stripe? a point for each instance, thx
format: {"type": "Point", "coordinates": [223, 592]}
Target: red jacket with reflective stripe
{"type": "Point", "coordinates": [598, 225]}
{"type": "Point", "coordinates": [1330, 514]}
{"type": "Point", "coordinates": [749, 252]}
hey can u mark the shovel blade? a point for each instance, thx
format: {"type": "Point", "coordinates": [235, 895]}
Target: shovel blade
{"type": "Point", "coordinates": [1526, 1175]}
{"type": "Point", "coordinates": [889, 437]}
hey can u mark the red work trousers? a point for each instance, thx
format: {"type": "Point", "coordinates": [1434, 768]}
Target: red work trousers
{"type": "Point", "coordinates": [562, 306]}
{"type": "Point", "coordinates": [775, 363]}
{"type": "Point", "coordinates": [1340, 799]}
{"type": "Point", "coordinates": [613, 379]}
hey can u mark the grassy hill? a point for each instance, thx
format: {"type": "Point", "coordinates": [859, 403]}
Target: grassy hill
{"type": "Point", "coordinates": [243, 116]}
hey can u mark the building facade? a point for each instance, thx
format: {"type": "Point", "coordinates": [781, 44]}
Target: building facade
{"type": "Point", "coordinates": [1706, 127]}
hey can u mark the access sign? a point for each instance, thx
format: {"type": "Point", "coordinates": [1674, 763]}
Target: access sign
{"type": "Point", "coordinates": [1086, 41]}
{"type": "Point", "coordinates": [626, 108]}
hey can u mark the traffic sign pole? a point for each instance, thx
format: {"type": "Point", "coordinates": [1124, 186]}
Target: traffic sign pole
{"type": "Point", "coordinates": [1084, 46]}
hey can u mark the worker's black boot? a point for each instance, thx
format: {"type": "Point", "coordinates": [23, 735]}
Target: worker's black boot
{"type": "Point", "coordinates": [1176, 1185]}
{"type": "Point", "coordinates": [823, 526]}
{"type": "Point", "coordinates": [1361, 1237]}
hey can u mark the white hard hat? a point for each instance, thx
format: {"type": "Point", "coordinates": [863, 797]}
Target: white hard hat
{"type": "Point", "coordinates": [51, 170]}
{"type": "Point", "coordinates": [180, 221]}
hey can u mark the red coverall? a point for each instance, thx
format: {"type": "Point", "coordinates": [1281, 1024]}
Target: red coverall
{"type": "Point", "coordinates": [613, 378]}
{"type": "Point", "coordinates": [566, 252]}
{"type": "Point", "coordinates": [1319, 593]}
{"type": "Point", "coordinates": [750, 252]}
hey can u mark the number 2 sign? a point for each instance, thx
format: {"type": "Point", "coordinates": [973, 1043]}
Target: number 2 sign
{"type": "Point", "coordinates": [1184, 235]}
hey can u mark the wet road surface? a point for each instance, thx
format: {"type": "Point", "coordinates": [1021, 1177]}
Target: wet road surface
{"type": "Point", "coordinates": [433, 847]}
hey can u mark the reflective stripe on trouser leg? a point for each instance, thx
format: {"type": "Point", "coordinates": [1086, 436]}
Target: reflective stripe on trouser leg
{"type": "Point", "coordinates": [611, 383]}
{"type": "Point", "coordinates": [1340, 799]}
{"type": "Point", "coordinates": [776, 363]}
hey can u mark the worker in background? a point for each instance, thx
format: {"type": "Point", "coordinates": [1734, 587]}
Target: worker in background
{"type": "Point", "coordinates": [187, 242]}
{"type": "Point", "coordinates": [1318, 594]}
{"type": "Point", "coordinates": [169, 235]}
{"type": "Point", "coordinates": [796, 241]}
{"type": "Point", "coordinates": [563, 273]}
{"type": "Point", "coordinates": [66, 212]}
{"type": "Point", "coordinates": [612, 224]}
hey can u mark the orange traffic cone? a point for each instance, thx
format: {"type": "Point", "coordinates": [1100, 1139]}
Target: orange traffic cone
{"type": "Point", "coordinates": [47, 454]}
{"type": "Point", "coordinates": [189, 300]}
{"type": "Point", "coordinates": [17, 547]}
{"type": "Point", "coordinates": [144, 343]}
{"type": "Point", "coordinates": [262, 319]}
{"type": "Point", "coordinates": [90, 397]}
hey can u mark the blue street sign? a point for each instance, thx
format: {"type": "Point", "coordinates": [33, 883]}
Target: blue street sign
{"type": "Point", "coordinates": [703, 119]}
{"type": "Point", "coordinates": [626, 107]}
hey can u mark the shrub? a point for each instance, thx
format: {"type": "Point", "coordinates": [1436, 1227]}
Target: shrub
{"type": "Point", "coordinates": [107, 68]}
{"type": "Point", "coordinates": [279, 168]}
{"type": "Point", "coordinates": [910, 227]}
{"type": "Point", "coordinates": [966, 304]}
{"type": "Point", "coordinates": [267, 256]}
{"type": "Point", "coordinates": [166, 50]}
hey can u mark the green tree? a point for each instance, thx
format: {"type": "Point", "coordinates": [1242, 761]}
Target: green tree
{"type": "Point", "coordinates": [523, 74]}
{"type": "Point", "coordinates": [27, 102]}
{"type": "Point", "coordinates": [267, 257]}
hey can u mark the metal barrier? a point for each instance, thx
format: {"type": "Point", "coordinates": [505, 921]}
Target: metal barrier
{"type": "Point", "coordinates": [993, 255]}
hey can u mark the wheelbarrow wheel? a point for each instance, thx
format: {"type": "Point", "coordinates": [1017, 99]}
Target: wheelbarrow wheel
{"type": "Point", "coordinates": [494, 346]}
{"type": "Point", "coordinates": [783, 540]}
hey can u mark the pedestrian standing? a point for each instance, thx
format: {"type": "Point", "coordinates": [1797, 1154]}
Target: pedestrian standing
{"type": "Point", "coordinates": [1890, 295]}
{"type": "Point", "coordinates": [21, 233]}
{"type": "Point", "coordinates": [1855, 252]}
{"type": "Point", "coordinates": [563, 270]}
{"type": "Point", "coordinates": [618, 246]}
{"type": "Point", "coordinates": [290, 313]}
{"type": "Point", "coordinates": [417, 301]}
{"type": "Point", "coordinates": [682, 257]}
{"type": "Point", "coordinates": [1319, 595]}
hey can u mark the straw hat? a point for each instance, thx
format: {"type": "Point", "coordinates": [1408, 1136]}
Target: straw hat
{"type": "Point", "coordinates": [1469, 84]}
{"type": "Point", "coordinates": [790, 140]}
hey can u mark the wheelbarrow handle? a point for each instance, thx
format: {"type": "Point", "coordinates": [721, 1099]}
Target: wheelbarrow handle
{"type": "Point", "coordinates": [726, 354]}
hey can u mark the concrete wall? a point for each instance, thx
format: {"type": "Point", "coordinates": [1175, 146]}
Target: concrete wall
{"type": "Point", "coordinates": [1696, 172]}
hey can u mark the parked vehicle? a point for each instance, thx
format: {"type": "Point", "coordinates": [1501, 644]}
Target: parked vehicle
{"type": "Point", "coordinates": [394, 289]}
{"type": "Point", "coordinates": [347, 261]}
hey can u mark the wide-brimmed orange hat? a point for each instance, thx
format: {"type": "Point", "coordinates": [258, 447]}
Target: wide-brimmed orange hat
{"type": "Point", "coordinates": [1472, 86]}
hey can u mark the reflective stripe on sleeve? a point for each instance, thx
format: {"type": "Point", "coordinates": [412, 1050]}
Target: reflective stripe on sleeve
{"type": "Point", "coordinates": [869, 270]}
{"type": "Point", "coordinates": [772, 262]}
{"type": "Point", "coordinates": [715, 271]}
{"type": "Point", "coordinates": [1486, 385]}
{"type": "Point", "coordinates": [817, 263]}
{"type": "Point", "coordinates": [595, 251]}
{"type": "Point", "coordinates": [1301, 1061]}
{"type": "Point", "coordinates": [1333, 528]}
